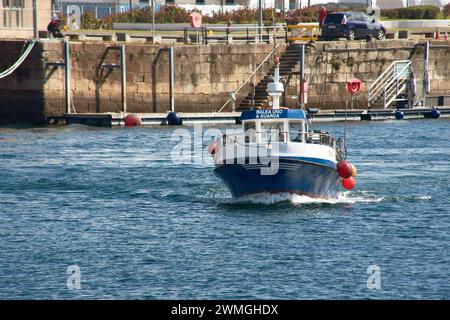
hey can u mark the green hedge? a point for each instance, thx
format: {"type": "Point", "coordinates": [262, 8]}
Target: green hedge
{"type": "Point", "coordinates": [172, 14]}
{"type": "Point", "coordinates": [415, 12]}
{"type": "Point", "coordinates": [446, 10]}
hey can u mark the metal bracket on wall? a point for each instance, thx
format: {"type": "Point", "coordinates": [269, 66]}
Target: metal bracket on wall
{"type": "Point", "coordinates": [123, 71]}
{"type": "Point", "coordinates": [66, 66]}
{"type": "Point", "coordinates": [110, 66]}
{"type": "Point", "coordinates": [55, 65]}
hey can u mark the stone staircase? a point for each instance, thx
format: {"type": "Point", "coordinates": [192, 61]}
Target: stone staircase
{"type": "Point", "coordinates": [288, 61]}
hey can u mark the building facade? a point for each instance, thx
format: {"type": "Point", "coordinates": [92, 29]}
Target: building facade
{"type": "Point", "coordinates": [16, 17]}
{"type": "Point", "coordinates": [100, 8]}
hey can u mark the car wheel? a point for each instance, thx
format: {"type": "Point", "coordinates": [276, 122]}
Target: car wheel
{"type": "Point", "coordinates": [351, 35]}
{"type": "Point", "coordinates": [380, 35]}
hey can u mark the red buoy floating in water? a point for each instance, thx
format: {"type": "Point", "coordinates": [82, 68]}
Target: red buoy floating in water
{"type": "Point", "coordinates": [132, 120]}
{"type": "Point", "coordinates": [344, 169]}
{"type": "Point", "coordinates": [349, 183]}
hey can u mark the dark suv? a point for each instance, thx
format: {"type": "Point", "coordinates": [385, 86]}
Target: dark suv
{"type": "Point", "coordinates": [352, 25]}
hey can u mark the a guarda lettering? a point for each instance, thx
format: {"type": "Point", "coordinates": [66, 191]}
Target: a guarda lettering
{"type": "Point", "coordinates": [268, 114]}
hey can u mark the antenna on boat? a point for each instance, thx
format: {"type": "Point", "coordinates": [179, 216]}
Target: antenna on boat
{"type": "Point", "coordinates": [275, 89]}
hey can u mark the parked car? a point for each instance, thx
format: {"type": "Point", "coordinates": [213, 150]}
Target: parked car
{"type": "Point", "coordinates": [352, 25]}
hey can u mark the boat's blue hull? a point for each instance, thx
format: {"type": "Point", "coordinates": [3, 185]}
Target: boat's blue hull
{"type": "Point", "coordinates": [293, 176]}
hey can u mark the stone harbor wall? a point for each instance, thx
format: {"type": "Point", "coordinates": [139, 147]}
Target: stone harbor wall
{"type": "Point", "coordinates": [330, 65]}
{"type": "Point", "coordinates": [205, 75]}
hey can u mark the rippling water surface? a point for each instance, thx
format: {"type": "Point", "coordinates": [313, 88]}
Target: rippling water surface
{"type": "Point", "coordinates": [141, 226]}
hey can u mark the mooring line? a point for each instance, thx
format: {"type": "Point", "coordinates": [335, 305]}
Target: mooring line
{"type": "Point", "coordinates": [21, 59]}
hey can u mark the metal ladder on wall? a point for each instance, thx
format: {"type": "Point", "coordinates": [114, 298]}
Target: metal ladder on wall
{"type": "Point", "coordinates": [391, 84]}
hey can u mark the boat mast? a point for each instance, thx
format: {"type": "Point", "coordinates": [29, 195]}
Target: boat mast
{"type": "Point", "coordinates": [275, 89]}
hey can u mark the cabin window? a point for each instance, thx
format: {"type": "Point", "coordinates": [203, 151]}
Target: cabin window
{"type": "Point", "coordinates": [273, 132]}
{"type": "Point", "coordinates": [249, 126]}
{"type": "Point", "coordinates": [296, 131]}
{"type": "Point", "coordinates": [250, 132]}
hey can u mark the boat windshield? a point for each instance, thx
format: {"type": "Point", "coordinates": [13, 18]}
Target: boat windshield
{"type": "Point", "coordinates": [272, 132]}
{"type": "Point", "coordinates": [250, 132]}
{"type": "Point", "coordinates": [250, 126]}
{"type": "Point", "coordinates": [296, 131]}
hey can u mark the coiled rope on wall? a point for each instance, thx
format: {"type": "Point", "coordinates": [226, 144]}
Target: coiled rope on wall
{"type": "Point", "coordinates": [21, 59]}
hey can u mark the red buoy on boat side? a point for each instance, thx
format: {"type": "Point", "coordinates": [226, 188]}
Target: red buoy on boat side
{"type": "Point", "coordinates": [132, 120]}
{"type": "Point", "coordinates": [344, 169]}
{"type": "Point", "coordinates": [349, 183]}
{"type": "Point", "coordinates": [354, 171]}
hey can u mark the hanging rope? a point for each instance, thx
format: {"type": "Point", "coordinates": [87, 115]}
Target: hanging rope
{"type": "Point", "coordinates": [21, 59]}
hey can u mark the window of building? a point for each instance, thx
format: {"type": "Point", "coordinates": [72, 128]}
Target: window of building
{"type": "Point", "coordinates": [14, 4]}
{"type": "Point", "coordinates": [13, 13]}
{"type": "Point", "coordinates": [229, 2]}
{"type": "Point", "coordinates": [170, 1]}
{"type": "Point", "coordinates": [199, 1]}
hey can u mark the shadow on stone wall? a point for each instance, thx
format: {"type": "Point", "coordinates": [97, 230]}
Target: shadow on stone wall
{"type": "Point", "coordinates": [21, 94]}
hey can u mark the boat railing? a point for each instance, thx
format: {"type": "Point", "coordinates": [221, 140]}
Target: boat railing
{"type": "Point", "coordinates": [255, 138]}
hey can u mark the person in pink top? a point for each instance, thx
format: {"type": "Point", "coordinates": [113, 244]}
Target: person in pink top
{"type": "Point", "coordinates": [322, 15]}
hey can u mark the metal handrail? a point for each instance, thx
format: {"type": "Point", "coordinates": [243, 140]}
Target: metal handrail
{"type": "Point", "coordinates": [251, 76]}
{"type": "Point", "coordinates": [393, 88]}
{"type": "Point", "coordinates": [381, 83]}
{"type": "Point", "coordinates": [392, 94]}
{"type": "Point", "coordinates": [394, 97]}
{"type": "Point", "coordinates": [383, 74]}
{"type": "Point", "coordinates": [395, 78]}
{"type": "Point", "coordinates": [252, 27]}
{"type": "Point", "coordinates": [386, 75]}
{"type": "Point", "coordinates": [385, 81]}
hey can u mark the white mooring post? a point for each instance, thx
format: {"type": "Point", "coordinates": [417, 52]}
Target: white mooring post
{"type": "Point", "coordinates": [171, 80]}
{"type": "Point", "coordinates": [426, 73]}
{"type": "Point", "coordinates": [123, 68]}
{"type": "Point", "coordinates": [302, 76]}
{"type": "Point", "coordinates": [67, 75]}
{"type": "Point", "coordinates": [35, 19]}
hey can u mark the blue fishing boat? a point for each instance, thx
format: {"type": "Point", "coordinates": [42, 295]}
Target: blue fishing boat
{"type": "Point", "coordinates": [277, 152]}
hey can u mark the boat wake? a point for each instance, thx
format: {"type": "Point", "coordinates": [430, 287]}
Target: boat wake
{"type": "Point", "coordinates": [268, 198]}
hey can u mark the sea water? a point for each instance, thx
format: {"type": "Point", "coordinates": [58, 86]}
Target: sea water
{"type": "Point", "coordinates": [135, 222]}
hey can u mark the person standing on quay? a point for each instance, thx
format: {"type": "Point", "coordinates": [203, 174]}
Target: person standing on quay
{"type": "Point", "coordinates": [228, 26]}
{"type": "Point", "coordinates": [322, 15]}
{"type": "Point", "coordinates": [54, 27]}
